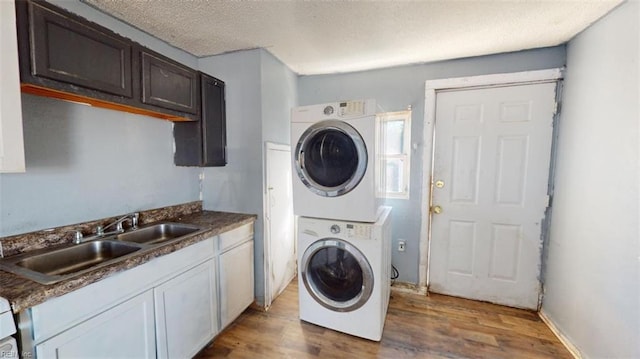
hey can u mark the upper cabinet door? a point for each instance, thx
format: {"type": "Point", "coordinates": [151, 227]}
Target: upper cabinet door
{"type": "Point", "coordinates": [204, 143]}
{"type": "Point", "coordinates": [67, 50]}
{"type": "Point", "coordinates": [169, 85]}
{"type": "Point", "coordinates": [214, 132]}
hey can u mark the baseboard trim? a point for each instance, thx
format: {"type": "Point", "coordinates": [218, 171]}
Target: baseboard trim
{"type": "Point", "coordinates": [405, 287]}
{"type": "Point", "coordinates": [258, 307]}
{"type": "Point", "coordinates": [563, 339]}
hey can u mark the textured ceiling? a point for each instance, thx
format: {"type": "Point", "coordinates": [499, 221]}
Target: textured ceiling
{"type": "Point", "coordinates": [318, 37]}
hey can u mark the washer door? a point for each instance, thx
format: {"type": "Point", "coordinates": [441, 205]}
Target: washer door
{"type": "Point", "coordinates": [337, 275]}
{"type": "Point", "coordinates": [331, 158]}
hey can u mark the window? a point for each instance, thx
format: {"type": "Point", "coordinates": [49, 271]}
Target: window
{"type": "Point", "coordinates": [395, 154]}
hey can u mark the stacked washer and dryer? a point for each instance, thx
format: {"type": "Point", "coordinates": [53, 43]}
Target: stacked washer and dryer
{"type": "Point", "coordinates": [344, 233]}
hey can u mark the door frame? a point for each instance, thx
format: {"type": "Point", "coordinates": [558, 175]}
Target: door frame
{"type": "Point", "coordinates": [432, 87]}
{"type": "Point", "coordinates": [268, 299]}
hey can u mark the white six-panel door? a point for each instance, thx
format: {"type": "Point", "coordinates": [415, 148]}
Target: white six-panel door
{"type": "Point", "coordinates": [490, 175]}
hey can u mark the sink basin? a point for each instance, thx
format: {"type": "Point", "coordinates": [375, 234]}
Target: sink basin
{"type": "Point", "coordinates": [52, 265]}
{"type": "Point", "coordinates": [76, 258]}
{"type": "Point", "coordinates": [158, 233]}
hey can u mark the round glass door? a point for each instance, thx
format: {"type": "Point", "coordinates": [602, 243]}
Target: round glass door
{"type": "Point", "coordinates": [337, 275]}
{"type": "Point", "coordinates": [331, 158]}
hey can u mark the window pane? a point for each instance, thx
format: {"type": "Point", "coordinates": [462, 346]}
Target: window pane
{"type": "Point", "coordinates": [394, 137]}
{"type": "Point", "coordinates": [394, 154]}
{"type": "Point", "coordinates": [395, 175]}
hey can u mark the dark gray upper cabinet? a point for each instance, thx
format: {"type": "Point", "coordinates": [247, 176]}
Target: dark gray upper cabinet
{"type": "Point", "coordinates": [214, 122]}
{"type": "Point", "coordinates": [204, 144]}
{"type": "Point", "coordinates": [168, 84]}
{"type": "Point", "coordinates": [62, 55]}
{"type": "Point", "coordinates": [68, 50]}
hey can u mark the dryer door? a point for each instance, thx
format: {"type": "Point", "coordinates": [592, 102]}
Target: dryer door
{"type": "Point", "coordinates": [337, 275]}
{"type": "Point", "coordinates": [331, 158]}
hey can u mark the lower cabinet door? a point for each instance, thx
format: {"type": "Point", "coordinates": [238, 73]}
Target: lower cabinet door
{"type": "Point", "coordinates": [186, 312]}
{"type": "Point", "coordinates": [124, 331]}
{"type": "Point", "coordinates": [236, 282]}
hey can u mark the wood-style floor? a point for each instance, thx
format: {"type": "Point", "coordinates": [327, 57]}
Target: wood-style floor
{"type": "Point", "coordinates": [437, 326]}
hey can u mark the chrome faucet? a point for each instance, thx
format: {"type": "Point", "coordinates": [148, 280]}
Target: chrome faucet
{"type": "Point", "coordinates": [132, 217]}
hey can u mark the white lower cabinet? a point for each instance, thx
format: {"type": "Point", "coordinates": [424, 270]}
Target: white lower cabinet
{"type": "Point", "coordinates": [170, 307]}
{"type": "Point", "coordinates": [186, 315]}
{"type": "Point", "coordinates": [124, 331]}
{"type": "Point", "coordinates": [236, 282]}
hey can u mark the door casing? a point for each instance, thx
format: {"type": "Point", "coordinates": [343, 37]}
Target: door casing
{"type": "Point", "coordinates": [431, 89]}
{"type": "Point", "coordinates": [272, 289]}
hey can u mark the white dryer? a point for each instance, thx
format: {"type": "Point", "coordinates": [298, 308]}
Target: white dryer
{"type": "Point", "coordinates": [335, 161]}
{"type": "Point", "coordinates": [344, 271]}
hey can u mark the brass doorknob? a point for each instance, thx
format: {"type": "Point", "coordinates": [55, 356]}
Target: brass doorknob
{"type": "Point", "coordinates": [439, 184]}
{"type": "Point", "coordinates": [436, 209]}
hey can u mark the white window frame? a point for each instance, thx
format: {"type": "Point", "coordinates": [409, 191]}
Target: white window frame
{"type": "Point", "coordinates": [381, 118]}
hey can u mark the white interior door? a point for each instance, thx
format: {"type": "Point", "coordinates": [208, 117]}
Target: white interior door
{"type": "Point", "coordinates": [280, 241]}
{"type": "Point", "coordinates": [490, 172]}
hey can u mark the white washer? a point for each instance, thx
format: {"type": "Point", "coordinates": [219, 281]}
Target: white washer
{"type": "Point", "coordinates": [344, 271]}
{"type": "Point", "coordinates": [334, 161]}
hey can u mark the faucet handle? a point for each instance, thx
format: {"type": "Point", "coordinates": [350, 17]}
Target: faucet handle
{"type": "Point", "coordinates": [78, 237]}
{"type": "Point", "coordinates": [100, 230]}
{"type": "Point", "coordinates": [134, 220]}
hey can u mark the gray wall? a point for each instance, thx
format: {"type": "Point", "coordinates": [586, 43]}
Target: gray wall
{"type": "Point", "coordinates": [237, 187]}
{"type": "Point", "coordinates": [279, 95]}
{"type": "Point", "coordinates": [397, 88]}
{"type": "Point", "coordinates": [592, 289]}
{"type": "Point", "coordinates": [260, 91]}
{"type": "Point", "coordinates": [85, 163]}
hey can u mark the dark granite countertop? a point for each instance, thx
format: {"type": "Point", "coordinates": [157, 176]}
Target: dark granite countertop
{"type": "Point", "coordinates": [23, 293]}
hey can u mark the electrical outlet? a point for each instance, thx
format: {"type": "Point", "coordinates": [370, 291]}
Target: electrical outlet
{"type": "Point", "coordinates": [402, 245]}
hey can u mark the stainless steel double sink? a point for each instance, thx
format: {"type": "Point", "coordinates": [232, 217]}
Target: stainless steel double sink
{"type": "Point", "coordinates": [57, 263]}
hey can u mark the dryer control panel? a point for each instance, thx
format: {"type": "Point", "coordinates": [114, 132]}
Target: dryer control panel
{"type": "Point", "coordinates": [343, 110]}
{"type": "Point", "coordinates": [360, 231]}
{"type": "Point", "coordinates": [352, 108]}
